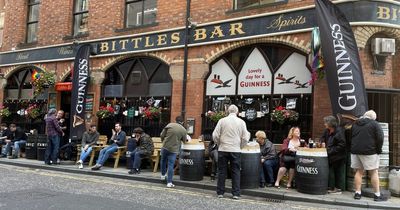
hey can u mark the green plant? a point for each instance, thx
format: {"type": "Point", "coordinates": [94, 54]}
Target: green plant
{"type": "Point", "coordinates": [33, 111]}
{"type": "Point", "coordinates": [41, 80]}
{"type": "Point", "coordinates": [280, 115]}
{"type": "Point", "coordinates": [4, 111]}
{"type": "Point", "coordinates": [105, 112]}
{"type": "Point", "coordinates": [215, 116]}
{"type": "Point", "coordinates": [152, 113]}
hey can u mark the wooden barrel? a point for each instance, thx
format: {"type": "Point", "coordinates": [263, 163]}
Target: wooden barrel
{"type": "Point", "coordinates": [250, 166]}
{"type": "Point", "coordinates": [312, 171]}
{"type": "Point", "coordinates": [30, 147]}
{"type": "Point", "coordinates": [191, 161]}
{"type": "Point", "coordinates": [41, 147]}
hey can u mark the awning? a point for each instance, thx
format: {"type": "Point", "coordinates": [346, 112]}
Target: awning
{"type": "Point", "coordinates": [64, 86]}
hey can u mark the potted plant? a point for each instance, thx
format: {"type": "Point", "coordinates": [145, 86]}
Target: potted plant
{"type": "Point", "coordinates": [4, 111]}
{"type": "Point", "coordinates": [105, 112]}
{"type": "Point", "coordinates": [33, 111]}
{"type": "Point", "coordinates": [215, 116]}
{"type": "Point", "coordinates": [41, 80]}
{"type": "Point", "coordinates": [152, 113]}
{"type": "Point", "coordinates": [281, 115]}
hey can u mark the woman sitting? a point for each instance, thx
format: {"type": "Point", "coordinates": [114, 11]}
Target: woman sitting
{"type": "Point", "coordinates": [287, 157]}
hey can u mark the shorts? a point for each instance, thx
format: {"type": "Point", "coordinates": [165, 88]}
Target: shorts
{"type": "Point", "coordinates": [365, 162]}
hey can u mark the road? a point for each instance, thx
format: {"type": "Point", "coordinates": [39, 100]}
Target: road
{"type": "Point", "coordinates": [25, 188]}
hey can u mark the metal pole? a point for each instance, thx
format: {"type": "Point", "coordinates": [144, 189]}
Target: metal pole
{"type": "Point", "coordinates": [185, 58]}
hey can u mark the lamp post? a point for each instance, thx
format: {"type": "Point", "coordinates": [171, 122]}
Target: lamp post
{"type": "Point", "coordinates": [185, 58]}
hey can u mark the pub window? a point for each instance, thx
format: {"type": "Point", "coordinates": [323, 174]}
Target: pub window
{"type": "Point", "coordinates": [32, 21]}
{"type": "Point", "coordinates": [244, 4]}
{"type": "Point", "coordinates": [140, 12]}
{"type": "Point", "coordinates": [81, 16]}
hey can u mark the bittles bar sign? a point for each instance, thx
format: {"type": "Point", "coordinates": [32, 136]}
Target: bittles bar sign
{"type": "Point", "coordinates": [290, 21]}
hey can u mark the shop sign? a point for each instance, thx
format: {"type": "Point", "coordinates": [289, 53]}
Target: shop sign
{"type": "Point", "coordinates": [63, 86]}
{"type": "Point", "coordinates": [269, 24]}
{"type": "Point", "coordinates": [222, 80]}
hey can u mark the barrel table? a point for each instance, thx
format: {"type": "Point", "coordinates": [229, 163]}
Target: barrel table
{"type": "Point", "coordinates": [30, 147]}
{"type": "Point", "coordinates": [191, 161]}
{"type": "Point", "coordinates": [312, 171]}
{"type": "Point", "coordinates": [250, 166]}
{"type": "Point", "coordinates": [41, 146]}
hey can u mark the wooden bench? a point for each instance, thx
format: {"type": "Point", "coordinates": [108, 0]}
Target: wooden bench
{"type": "Point", "coordinates": [116, 155]}
{"type": "Point", "coordinates": [121, 151]}
{"type": "Point", "coordinates": [100, 142]}
{"type": "Point", "coordinates": [155, 158]}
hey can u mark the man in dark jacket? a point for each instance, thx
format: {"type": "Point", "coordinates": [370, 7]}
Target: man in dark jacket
{"type": "Point", "coordinates": [144, 148]}
{"type": "Point", "coordinates": [366, 145]}
{"type": "Point", "coordinates": [269, 160]}
{"type": "Point", "coordinates": [89, 138]}
{"type": "Point", "coordinates": [54, 133]}
{"type": "Point", "coordinates": [335, 142]}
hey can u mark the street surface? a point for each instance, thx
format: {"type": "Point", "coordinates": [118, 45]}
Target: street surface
{"type": "Point", "coordinates": [25, 188]}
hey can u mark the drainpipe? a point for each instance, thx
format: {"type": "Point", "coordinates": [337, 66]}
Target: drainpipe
{"type": "Point", "coordinates": [185, 58]}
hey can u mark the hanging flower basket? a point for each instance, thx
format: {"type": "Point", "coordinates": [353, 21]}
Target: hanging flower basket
{"type": "Point", "coordinates": [41, 81]}
{"type": "Point", "coordinates": [4, 111]}
{"type": "Point", "coordinates": [281, 115]}
{"type": "Point", "coordinates": [33, 111]}
{"type": "Point", "coordinates": [152, 113]}
{"type": "Point", "coordinates": [215, 116]}
{"type": "Point", "coordinates": [105, 112]}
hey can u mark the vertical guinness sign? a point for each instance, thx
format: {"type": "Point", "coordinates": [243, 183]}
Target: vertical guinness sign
{"type": "Point", "coordinates": [342, 61]}
{"type": "Point", "coordinates": [80, 85]}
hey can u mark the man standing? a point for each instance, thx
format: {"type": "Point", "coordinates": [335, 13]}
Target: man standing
{"type": "Point", "coordinates": [230, 135]}
{"type": "Point", "coordinates": [366, 145]}
{"type": "Point", "coordinates": [171, 136]}
{"type": "Point", "coordinates": [89, 138]}
{"type": "Point", "coordinates": [144, 148]}
{"type": "Point", "coordinates": [117, 139]}
{"type": "Point", "coordinates": [54, 133]}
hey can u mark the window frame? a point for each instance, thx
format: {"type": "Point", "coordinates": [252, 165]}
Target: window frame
{"type": "Point", "coordinates": [142, 14]}
{"type": "Point", "coordinates": [235, 8]}
{"type": "Point", "coordinates": [76, 14]}
{"type": "Point", "coordinates": [29, 23]}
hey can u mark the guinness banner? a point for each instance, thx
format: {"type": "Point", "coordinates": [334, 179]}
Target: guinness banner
{"type": "Point", "coordinates": [80, 85]}
{"type": "Point", "coordinates": [341, 59]}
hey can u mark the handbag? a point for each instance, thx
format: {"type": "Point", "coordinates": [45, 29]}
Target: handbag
{"type": "Point", "coordinates": [289, 158]}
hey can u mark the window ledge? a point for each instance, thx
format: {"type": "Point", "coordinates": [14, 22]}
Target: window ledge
{"type": "Point", "coordinates": [378, 72]}
{"type": "Point", "coordinates": [81, 35]}
{"type": "Point", "coordinates": [136, 27]}
{"type": "Point", "coordinates": [255, 7]}
{"type": "Point", "coordinates": [27, 45]}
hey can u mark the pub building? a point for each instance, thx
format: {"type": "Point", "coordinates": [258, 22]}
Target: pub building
{"type": "Point", "coordinates": [154, 62]}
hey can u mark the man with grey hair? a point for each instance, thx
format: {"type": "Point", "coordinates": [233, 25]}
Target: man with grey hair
{"type": "Point", "coordinates": [230, 135]}
{"type": "Point", "coordinates": [54, 133]}
{"type": "Point", "coordinates": [335, 142]}
{"type": "Point", "coordinates": [366, 145]}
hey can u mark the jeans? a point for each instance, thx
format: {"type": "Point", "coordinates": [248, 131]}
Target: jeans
{"type": "Point", "coordinates": [337, 175]}
{"type": "Point", "coordinates": [170, 157]}
{"type": "Point", "coordinates": [85, 154]}
{"type": "Point", "coordinates": [17, 146]}
{"type": "Point", "coordinates": [136, 157]}
{"type": "Point", "coordinates": [7, 149]}
{"type": "Point", "coordinates": [51, 153]}
{"type": "Point", "coordinates": [269, 167]}
{"type": "Point", "coordinates": [105, 153]}
{"type": "Point", "coordinates": [223, 159]}
{"type": "Point", "coordinates": [214, 163]}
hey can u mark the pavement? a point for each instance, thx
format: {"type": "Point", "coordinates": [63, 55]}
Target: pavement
{"type": "Point", "coordinates": [270, 194]}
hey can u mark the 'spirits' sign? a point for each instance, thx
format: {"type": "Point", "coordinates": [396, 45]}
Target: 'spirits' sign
{"type": "Point", "coordinates": [224, 31]}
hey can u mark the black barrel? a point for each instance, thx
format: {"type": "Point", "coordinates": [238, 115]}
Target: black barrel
{"type": "Point", "coordinates": [250, 166]}
{"type": "Point", "coordinates": [130, 147]}
{"type": "Point", "coordinates": [312, 171]}
{"type": "Point", "coordinates": [41, 146]}
{"type": "Point", "coordinates": [30, 147]}
{"type": "Point", "coordinates": [191, 161]}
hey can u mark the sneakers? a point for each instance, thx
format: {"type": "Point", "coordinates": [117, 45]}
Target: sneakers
{"type": "Point", "coordinates": [163, 177]}
{"type": "Point", "coordinates": [235, 197]}
{"type": "Point", "coordinates": [80, 166]}
{"type": "Point", "coordinates": [170, 185]}
{"type": "Point", "coordinates": [357, 196]}
{"type": "Point", "coordinates": [335, 191]}
{"type": "Point", "coordinates": [96, 167]}
{"type": "Point", "coordinates": [134, 171]}
{"type": "Point", "coordinates": [220, 196]}
{"type": "Point", "coordinates": [262, 185]}
{"type": "Point", "coordinates": [379, 198]}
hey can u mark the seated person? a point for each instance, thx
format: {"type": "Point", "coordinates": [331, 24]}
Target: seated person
{"type": "Point", "coordinates": [89, 139]}
{"type": "Point", "coordinates": [4, 132]}
{"type": "Point", "coordinates": [144, 148]}
{"type": "Point", "coordinates": [287, 158]}
{"type": "Point", "coordinates": [117, 139]}
{"type": "Point", "coordinates": [269, 161]}
{"type": "Point", "coordinates": [17, 137]}
{"type": "Point", "coordinates": [213, 153]}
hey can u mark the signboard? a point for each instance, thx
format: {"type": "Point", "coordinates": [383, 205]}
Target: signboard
{"type": "Point", "coordinates": [89, 102]}
{"type": "Point", "coordinates": [222, 80]}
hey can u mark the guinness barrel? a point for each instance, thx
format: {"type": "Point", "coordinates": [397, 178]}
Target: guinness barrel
{"type": "Point", "coordinates": [250, 166]}
{"type": "Point", "coordinates": [191, 161]}
{"type": "Point", "coordinates": [130, 147]}
{"type": "Point", "coordinates": [41, 146]}
{"type": "Point", "coordinates": [312, 171]}
{"type": "Point", "coordinates": [30, 147]}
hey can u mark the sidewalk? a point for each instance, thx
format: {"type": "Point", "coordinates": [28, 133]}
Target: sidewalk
{"type": "Point", "coordinates": [345, 199]}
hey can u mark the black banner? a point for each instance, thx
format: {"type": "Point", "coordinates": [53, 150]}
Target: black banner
{"type": "Point", "coordinates": [80, 85]}
{"type": "Point", "coordinates": [342, 61]}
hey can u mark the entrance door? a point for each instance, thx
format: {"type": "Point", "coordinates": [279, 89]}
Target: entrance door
{"type": "Point", "coordinates": [66, 107]}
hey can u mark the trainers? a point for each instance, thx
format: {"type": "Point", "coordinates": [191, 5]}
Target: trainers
{"type": "Point", "coordinates": [80, 166]}
{"type": "Point", "coordinates": [220, 196]}
{"type": "Point", "coordinates": [379, 198]}
{"type": "Point", "coordinates": [357, 196]}
{"type": "Point", "coordinates": [262, 185]}
{"type": "Point", "coordinates": [170, 185]}
{"type": "Point", "coordinates": [335, 191]}
{"type": "Point", "coordinates": [163, 177]}
{"type": "Point", "coordinates": [235, 197]}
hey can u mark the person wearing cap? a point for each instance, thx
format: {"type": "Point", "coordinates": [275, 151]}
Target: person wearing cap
{"type": "Point", "coordinates": [171, 137]}
{"type": "Point", "coordinates": [89, 138]}
{"type": "Point", "coordinates": [144, 148]}
{"type": "Point", "coordinates": [366, 145]}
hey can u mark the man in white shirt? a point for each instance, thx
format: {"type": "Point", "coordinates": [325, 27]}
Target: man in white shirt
{"type": "Point", "coordinates": [230, 135]}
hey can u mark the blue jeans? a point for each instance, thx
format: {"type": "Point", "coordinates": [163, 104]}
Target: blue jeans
{"type": "Point", "coordinates": [136, 157]}
{"type": "Point", "coordinates": [51, 153]}
{"type": "Point", "coordinates": [105, 153]}
{"type": "Point", "coordinates": [7, 149]}
{"type": "Point", "coordinates": [223, 159]}
{"type": "Point", "coordinates": [170, 157]}
{"type": "Point", "coordinates": [85, 154]}
{"type": "Point", "coordinates": [269, 168]}
{"type": "Point", "coordinates": [17, 146]}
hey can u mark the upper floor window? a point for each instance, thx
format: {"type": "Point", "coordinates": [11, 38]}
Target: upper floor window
{"type": "Point", "coordinates": [243, 4]}
{"type": "Point", "coordinates": [140, 12]}
{"type": "Point", "coordinates": [81, 16]}
{"type": "Point", "coordinates": [33, 21]}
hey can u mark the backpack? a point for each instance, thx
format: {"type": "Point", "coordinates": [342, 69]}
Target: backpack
{"type": "Point", "coordinates": [66, 152]}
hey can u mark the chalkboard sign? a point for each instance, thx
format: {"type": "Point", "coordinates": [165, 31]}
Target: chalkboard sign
{"type": "Point", "coordinates": [251, 114]}
{"type": "Point", "coordinates": [89, 102]}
